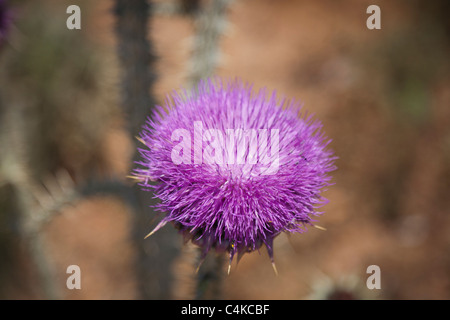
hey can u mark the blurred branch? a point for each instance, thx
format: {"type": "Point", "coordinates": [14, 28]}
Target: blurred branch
{"type": "Point", "coordinates": [56, 193]}
{"type": "Point", "coordinates": [35, 203]}
{"type": "Point", "coordinates": [166, 8]}
{"type": "Point", "coordinates": [38, 203]}
{"type": "Point", "coordinates": [15, 169]}
{"type": "Point", "coordinates": [136, 58]}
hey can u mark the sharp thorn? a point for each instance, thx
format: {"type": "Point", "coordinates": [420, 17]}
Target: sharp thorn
{"type": "Point", "coordinates": [159, 226]}
{"type": "Point", "coordinates": [199, 265]}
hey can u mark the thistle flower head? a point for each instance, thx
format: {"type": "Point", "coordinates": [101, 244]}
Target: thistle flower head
{"type": "Point", "coordinates": [234, 168]}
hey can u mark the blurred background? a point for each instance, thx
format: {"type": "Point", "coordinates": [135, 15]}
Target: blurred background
{"type": "Point", "coordinates": [72, 101]}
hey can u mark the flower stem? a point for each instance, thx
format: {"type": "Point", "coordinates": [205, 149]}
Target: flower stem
{"type": "Point", "coordinates": [209, 276]}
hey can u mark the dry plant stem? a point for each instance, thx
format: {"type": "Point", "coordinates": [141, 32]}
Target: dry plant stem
{"type": "Point", "coordinates": [32, 232]}
{"type": "Point", "coordinates": [37, 216]}
{"type": "Point", "coordinates": [45, 268]}
{"type": "Point", "coordinates": [210, 23]}
{"type": "Point", "coordinates": [136, 58]}
{"type": "Point", "coordinates": [209, 276]}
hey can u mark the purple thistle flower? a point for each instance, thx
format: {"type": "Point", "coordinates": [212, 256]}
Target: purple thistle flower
{"type": "Point", "coordinates": [5, 20]}
{"type": "Point", "coordinates": [233, 169]}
